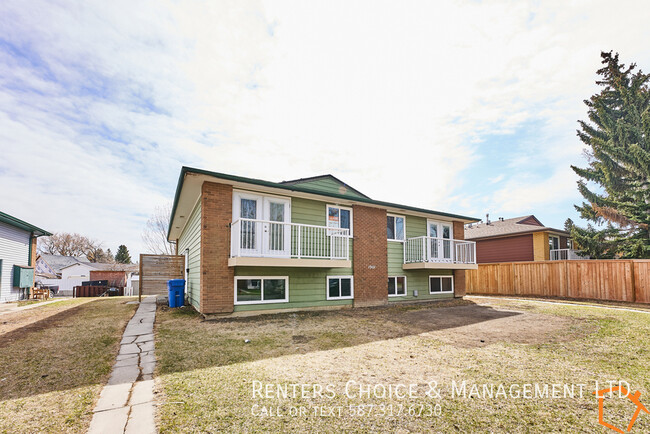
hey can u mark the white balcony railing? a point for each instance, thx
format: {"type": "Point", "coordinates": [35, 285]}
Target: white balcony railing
{"type": "Point", "coordinates": [565, 254]}
{"type": "Point", "coordinates": [264, 238]}
{"type": "Point", "coordinates": [429, 249]}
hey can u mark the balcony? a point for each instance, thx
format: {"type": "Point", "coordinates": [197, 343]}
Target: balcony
{"type": "Point", "coordinates": [565, 255]}
{"type": "Point", "coordinates": [279, 244]}
{"type": "Point", "coordinates": [438, 253]}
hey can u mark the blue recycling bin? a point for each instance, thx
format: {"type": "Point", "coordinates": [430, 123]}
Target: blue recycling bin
{"type": "Point", "coordinates": [176, 289]}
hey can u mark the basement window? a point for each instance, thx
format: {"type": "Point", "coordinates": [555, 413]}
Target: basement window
{"type": "Point", "coordinates": [396, 286]}
{"type": "Point", "coordinates": [340, 288]}
{"type": "Point", "coordinates": [256, 290]}
{"type": "Point", "coordinates": [441, 284]}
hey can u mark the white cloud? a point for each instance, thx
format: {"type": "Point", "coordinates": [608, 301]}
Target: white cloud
{"type": "Point", "coordinates": [396, 98]}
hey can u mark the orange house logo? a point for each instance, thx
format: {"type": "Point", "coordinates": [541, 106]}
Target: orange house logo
{"type": "Point", "coordinates": [624, 392]}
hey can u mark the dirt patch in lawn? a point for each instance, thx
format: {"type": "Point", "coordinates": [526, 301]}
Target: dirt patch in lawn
{"type": "Point", "coordinates": [441, 332]}
{"type": "Point", "coordinates": [489, 326]}
{"type": "Point", "coordinates": [207, 371]}
{"type": "Point", "coordinates": [458, 323]}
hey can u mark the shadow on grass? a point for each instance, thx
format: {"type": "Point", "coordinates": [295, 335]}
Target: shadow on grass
{"type": "Point", "coordinates": [36, 326]}
{"type": "Point", "coordinates": [185, 342]}
{"type": "Point", "coordinates": [69, 349]}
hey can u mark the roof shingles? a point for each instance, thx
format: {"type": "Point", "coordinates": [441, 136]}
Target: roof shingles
{"type": "Point", "coordinates": [501, 228]}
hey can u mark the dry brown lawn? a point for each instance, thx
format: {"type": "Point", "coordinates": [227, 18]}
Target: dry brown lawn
{"type": "Point", "coordinates": [207, 371]}
{"type": "Point", "coordinates": [55, 359]}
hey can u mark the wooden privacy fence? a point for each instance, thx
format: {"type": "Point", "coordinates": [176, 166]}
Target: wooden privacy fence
{"type": "Point", "coordinates": [156, 270]}
{"type": "Point", "coordinates": [616, 280]}
{"type": "Point", "coordinates": [94, 291]}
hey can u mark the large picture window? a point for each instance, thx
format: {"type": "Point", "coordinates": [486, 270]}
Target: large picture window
{"type": "Point", "coordinates": [441, 284]}
{"type": "Point", "coordinates": [395, 227]}
{"type": "Point", "coordinates": [339, 287]}
{"type": "Point", "coordinates": [396, 286]}
{"type": "Point", "coordinates": [254, 290]}
{"type": "Point", "coordinates": [339, 217]}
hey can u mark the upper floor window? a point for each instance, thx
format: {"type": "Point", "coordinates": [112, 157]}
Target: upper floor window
{"type": "Point", "coordinates": [395, 227]}
{"type": "Point", "coordinates": [339, 217]}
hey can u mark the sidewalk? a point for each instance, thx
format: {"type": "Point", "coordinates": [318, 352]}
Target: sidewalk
{"type": "Point", "coordinates": [13, 307]}
{"type": "Point", "coordinates": [126, 404]}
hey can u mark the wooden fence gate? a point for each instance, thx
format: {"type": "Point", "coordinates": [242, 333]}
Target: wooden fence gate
{"type": "Point", "coordinates": [610, 279]}
{"type": "Point", "coordinates": [156, 270]}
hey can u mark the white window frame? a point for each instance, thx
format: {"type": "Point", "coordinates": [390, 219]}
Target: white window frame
{"type": "Point", "coordinates": [262, 278]}
{"type": "Point", "coordinates": [406, 290]}
{"type": "Point", "coordinates": [569, 243]}
{"type": "Point", "coordinates": [327, 287]}
{"type": "Point", "coordinates": [439, 223]}
{"type": "Point", "coordinates": [327, 213]}
{"type": "Point", "coordinates": [447, 276]}
{"type": "Point", "coordinates": [559, 242]}
{"type": "Point", "coordinates": [395, 227]}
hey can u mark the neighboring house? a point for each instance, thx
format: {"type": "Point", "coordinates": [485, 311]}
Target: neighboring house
{"type": "Point", "coordinates": [51, 265]}
{"type": "Point", "coordinates": [17, 256]}
{"type": "Point", "coordinates": [251, 245]}
{"type": "Point", "coordinates": [133, 283]}
{"type": "Point", "coordinates": [519, 239]}
{"type": "Point", "coordinates": [117, 275]}
{"type": "Point", "coordinates": [69, 272]}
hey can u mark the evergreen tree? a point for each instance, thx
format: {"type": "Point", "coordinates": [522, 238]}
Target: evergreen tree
{"type": "Point", "coordinates": [122, 256]}
{"type": "Point", "coordinates": [618, 141]}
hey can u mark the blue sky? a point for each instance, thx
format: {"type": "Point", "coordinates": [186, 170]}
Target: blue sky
{"type": "Point", "coordinates": [466, 107]}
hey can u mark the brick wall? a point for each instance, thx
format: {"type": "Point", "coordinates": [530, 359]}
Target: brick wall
{"type": "Point", "coordinates": [459, 275]}
{"type": "Point", "coordinates": [217, 279]}
{"type": "Point", "coordinates": [114, 277]}
{"type": "Point", "coordinates": [370, 262]}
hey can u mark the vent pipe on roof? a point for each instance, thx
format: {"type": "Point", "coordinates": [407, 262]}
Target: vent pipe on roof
{"type": "Point", "coordinates": [487, 219]}
{"type": "Point", "coordinates": [500, 219]}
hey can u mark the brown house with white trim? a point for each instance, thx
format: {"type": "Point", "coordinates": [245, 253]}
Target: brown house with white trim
{"type": "Point", "coordinates": [519, 239]}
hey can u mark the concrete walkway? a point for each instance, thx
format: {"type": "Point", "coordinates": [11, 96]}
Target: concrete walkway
{"type": "Point", "coordinates": [13, 307]}
{"type": "Point", "coordinates": [126, 404]}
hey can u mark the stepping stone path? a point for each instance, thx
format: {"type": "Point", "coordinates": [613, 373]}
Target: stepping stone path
{"type": "Point", "coordinates": [126, 404]}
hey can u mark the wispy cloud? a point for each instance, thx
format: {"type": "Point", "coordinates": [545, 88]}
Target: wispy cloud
{"type": "Point", "coordinates": [462, 106]}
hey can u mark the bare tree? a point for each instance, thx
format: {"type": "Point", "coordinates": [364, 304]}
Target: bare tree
{"type": "Point", "coordinates": [66, 244]}
{"type": "Point", "coordinates": [97, 254]}
{"type": "Point", "coordinates": [154, 235]}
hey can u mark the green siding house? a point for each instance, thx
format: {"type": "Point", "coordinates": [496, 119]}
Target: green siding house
{"type": "Point", "coordinates": [253, 245]}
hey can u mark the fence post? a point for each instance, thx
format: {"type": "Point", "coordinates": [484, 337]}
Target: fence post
{"type": "Point", "coordinates": [141, 278]}
{"type": "Point", "coordinates": [633, 281]}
